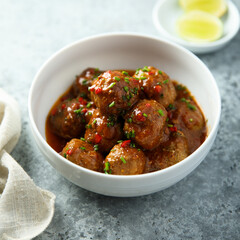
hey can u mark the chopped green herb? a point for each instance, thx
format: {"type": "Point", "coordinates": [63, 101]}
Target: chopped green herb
{"type": "Point", "coordinates": [160, 72]}
{"type": "Point", "coordinates": [113, 150]}
{"type": "Point", "coordinates": [65, 155]}
{"type": "Point", "coordinates": [95, 147]}
{"type": "Point", "coordinates": [145, 115]}
{"type": "Point", "coordinates": [78, 111]}
{"type": "Point", "coordinates": [125, 88]}
{"type": "Point", "coordinates": [180, 87]}
{"type": "Point", "coordinates": [83, 139]}
{"type": "Point", "coordinates": [89, 126]}
{"type": "Point", "coordinates": [137, 71]}
{"type": "Point", "coordinates": [89, 105]}
{"type": "Point", "coordinates": [171, 106]}
{"type": "Point", "coordinates": [126, 79]}
{"type": "Point", "coordinates": [90, 113]}
{"type": "Point", "coordinates": [94, 121]}
{"type": "Point", "coordinates": [125, 73]}
{"type": "Point", "coordinates": [170, 125]}
{"type": "Point", "coordinates": [190, 120]}
{"type": "Point", "coordinates": [83, 148]}
{"type": "Point", "coordinates": [129, 120]}
{"type": "Point", "coordinates": [107, 168]}
{"type": "Point", "coordinates": [119, 141]}
{"type": "Point", "coordinates": [145, 69]}
{"type": "Point", "coordinates": [166, 81]}
{"type": "Point", "coordinates": [123, 160]}
{"type": "Point", "coordinates": [190, 106]}
{"type": "Point", "coordinates": [111, 85]}
{"type": "Point", "coordinates": [111, 104]}
{"type": "Point", "coordinates": [143, 78]}
{"type": "Point", "coordinates": [117, 79]}
{"type": "Point", "coordinates": [84, 82]}
{"type": "Point", "coordinates": [160, 111]}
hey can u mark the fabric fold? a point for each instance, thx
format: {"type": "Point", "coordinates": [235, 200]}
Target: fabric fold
{"type": "Point", "coordinates": [25, 209]}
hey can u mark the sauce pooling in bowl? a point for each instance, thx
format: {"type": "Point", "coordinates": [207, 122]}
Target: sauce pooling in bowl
{"type": "Point", "coordinates": [125, 122]}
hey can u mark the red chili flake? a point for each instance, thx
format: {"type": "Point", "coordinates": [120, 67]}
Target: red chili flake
{"type": "Point", "coordinates": [98, 90]}
{"type": "Point", "coordinates": [158, 89]}
{"type": "Point", "coordinates": [173, 129]}
{"type": "Point", "coordinates": [148, 105]}
{"type": "Point", "coordinates": [140, 117]}
{"type": "Point", "coordinates": [135, 81]}
{"type": "Point", "coordinates": [54, 111]}
{"type": "Point", "coordinates": [82, 101]}
{"type": "Point", "coordinates": [69, 151]}
{"type": "Point", "coordinates": [170, 114]}
{"type": "Point", "coordinates": [92, 88]}
{"type": "Point", "coordinates": [125, 143]}
{"type": "Point", "coordinates": [98, 138]}
{"type": "Point", "coordinates": [63, 105]}
{"type": "Point", "coordinates": [84, 110]}
{"type": "Point", "coordinates": [151, 73]}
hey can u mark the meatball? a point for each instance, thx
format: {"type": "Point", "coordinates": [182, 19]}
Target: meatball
{"type": "Point", "coordinates": [83, 154]}
{"type": "Point", "coordinates": [188, 118]}
{"type": "Point", "coordinates": [146, 124]}
{"type": "Point", "coordinates": [188, 114]}
{"type": "Point", "coordinates": [124, 159]}
{"type": "Point", "coordinates": [113, 92]}
{"type": "Point", "coordinates": [168, 153]}
{"type": "Point", "coordinates": [84, 81]}
{"type": "Point", "coordinates": [103, 131]}
{"type": "Point", "coordinates": [156, 85]}
{"type": "Point", "coordinates": [69, 118]}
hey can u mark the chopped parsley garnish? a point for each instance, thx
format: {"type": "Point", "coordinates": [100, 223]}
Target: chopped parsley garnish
{"type": "Point", "coordinates": [125, 73]}
{"type": "Point", "coordinates": [111, 104]}
{"type": "Point", "coordinates": [125, 89]}
{"type": "Point", "coordinates": [160, 111]}
{"type": "Point", "coordinates": [123, 160]}
{"type": "Point", "coordinates": [117, 79]}
{"type": "Point", "coordinates": [145, 69]}
{"type": "Point", "coordinates": [166, 81]}
{"type": "Point", "coordinates": [95, 147]}
{"type": "Point", "coordinates": [111, 85]}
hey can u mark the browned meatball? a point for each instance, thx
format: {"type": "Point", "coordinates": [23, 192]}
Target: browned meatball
{"type": "Point", "coordinates": [124, 159]}
{"type": "Point", "coordinates": [68, 119]}
{"type": "Point", "coordinates": [103, 131]}
{"type": "Point", "coordinates": [168, 153]}
{"type": "Point", "coordinates": [83, 154]}
{"type": "Point", "coordinates": [189, 113]}
{"type": "Point", "coordinates": [156, 85]}
{"type": "Point", "coordinates": [114, 91]}
{"type": "Point", "coordinates": [146, 124]}
{"type": "Point", "coordinates": [84, 81]}
{"type": "Point", "coordinates": [189, 119]}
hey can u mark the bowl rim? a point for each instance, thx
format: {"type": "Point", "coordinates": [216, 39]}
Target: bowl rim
{"type": "Point", "coordinates": [111, 176]}
{"type": "Point", "coordinates": [198, 47]}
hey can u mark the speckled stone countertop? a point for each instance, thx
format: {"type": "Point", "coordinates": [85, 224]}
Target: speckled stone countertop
{"type": "Point", "coordinates": [204, 205]}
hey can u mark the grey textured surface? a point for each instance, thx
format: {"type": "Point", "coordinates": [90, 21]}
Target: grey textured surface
{"type": "Point", "coordinates": [205, 205]}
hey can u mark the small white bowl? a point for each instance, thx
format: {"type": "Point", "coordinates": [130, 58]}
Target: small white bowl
{"type": "Point", "coordinates": [166, 13]}
{"type": "Point", "coordinates": [122, 51]}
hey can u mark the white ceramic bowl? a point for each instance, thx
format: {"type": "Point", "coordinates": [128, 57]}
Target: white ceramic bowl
{"type": "Point", "coordinates": [122, 51]}
{"type": "Point", "coordinates": [166, 12]}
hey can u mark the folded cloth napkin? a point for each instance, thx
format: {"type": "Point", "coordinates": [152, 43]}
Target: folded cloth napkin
{"type": "Point", "coordinates": [25, 209]}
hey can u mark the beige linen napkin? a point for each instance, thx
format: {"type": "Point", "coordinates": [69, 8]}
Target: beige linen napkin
{"type": "Point", "coordinates": [25, 209]}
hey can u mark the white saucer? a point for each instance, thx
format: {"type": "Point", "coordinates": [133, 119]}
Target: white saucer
{"type": "Point", "coordinates": [166, 13]}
